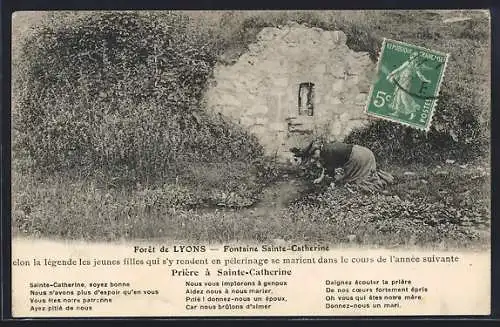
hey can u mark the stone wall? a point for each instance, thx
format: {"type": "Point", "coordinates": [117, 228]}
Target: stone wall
{"type": "Point", "coordinates": [260, 90]}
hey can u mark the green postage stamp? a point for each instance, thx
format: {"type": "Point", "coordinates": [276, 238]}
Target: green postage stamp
{"type": "Point", "coordinates": [407, 84]}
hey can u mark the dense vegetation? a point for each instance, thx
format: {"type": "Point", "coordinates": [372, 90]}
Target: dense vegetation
{"type": "Point", "coordinates": [111, 138]}
{"type": "Point", "coordinates": [120, 94]}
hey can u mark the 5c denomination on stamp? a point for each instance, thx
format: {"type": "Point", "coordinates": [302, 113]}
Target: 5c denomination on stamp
{"type": "Point", "coordinates": [407, 86]}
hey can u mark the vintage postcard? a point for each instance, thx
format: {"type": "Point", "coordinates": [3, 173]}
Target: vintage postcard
{"type": "Point", "coordinates": [251, 163]}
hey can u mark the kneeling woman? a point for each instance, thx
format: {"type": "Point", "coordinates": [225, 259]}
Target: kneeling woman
{"type": "Point", "coordinates": [358, 163]}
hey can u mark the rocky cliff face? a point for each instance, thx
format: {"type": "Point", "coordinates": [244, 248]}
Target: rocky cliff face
{"type": "Point", "coordinates": [261, 89]}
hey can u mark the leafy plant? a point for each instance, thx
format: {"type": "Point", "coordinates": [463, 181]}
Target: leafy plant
{"type": "Point", "coordinates": [120, 94]}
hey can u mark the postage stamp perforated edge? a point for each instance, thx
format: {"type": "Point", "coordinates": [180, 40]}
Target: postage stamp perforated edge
{"type": "Point", "coordinates": [438, 89]}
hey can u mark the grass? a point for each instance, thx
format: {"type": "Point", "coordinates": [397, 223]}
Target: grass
{"type": "Point", "coordinates": [435, 207]}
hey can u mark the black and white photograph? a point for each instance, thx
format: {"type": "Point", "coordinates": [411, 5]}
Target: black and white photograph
{"type": "Point", "coordinates": [202, 126]}
{"type": "Point", "coordinates": [251, 130]}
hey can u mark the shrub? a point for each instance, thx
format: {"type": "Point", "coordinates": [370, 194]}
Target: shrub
{"type": "Point", "coordinates": [121, 93]}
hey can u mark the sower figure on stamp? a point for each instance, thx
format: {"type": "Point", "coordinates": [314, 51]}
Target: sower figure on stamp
{"type": "Point", "coordinates": [358, 164]}
{"type": "Point", "coordinates": [402, 102]}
